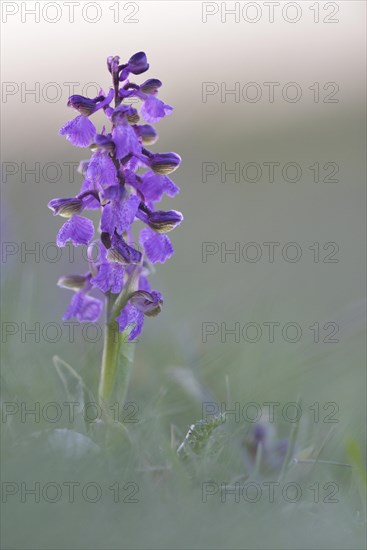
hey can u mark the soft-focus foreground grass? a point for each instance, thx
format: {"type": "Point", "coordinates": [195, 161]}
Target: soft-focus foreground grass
{"type": "Point", "coordinates": [170, 511]}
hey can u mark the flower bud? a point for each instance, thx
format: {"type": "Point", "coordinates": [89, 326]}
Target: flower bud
{"type": "Point", "coordinates": [84, 105]}
{"type": "Point", "coordinates": [165, 163]}
{"type": "Point", "coordinates": [103, 143]}
{"type": "Point", "coordinates": [113, 63]}
{"type": "Point", "coordinates": [66, 207]}
{"type": "Point", "coordinates": [138, 63]}
{"type": "Point", "coordinates": [163, 222]}
{"type": "Point", "coordinates": [149, 303]}
{"type": "Point", "coordinates": [133, 117]}
{"type": "Point", "coordinates": [73, 282]}
{"type": "Point", "coordinates": [151, 86]}
{"type": "Point", "coordinates": [122, 253]}
{"type": "Point", "coordinates": [147, 133]}
{"type": "Point", "coordinates": [122, 113]}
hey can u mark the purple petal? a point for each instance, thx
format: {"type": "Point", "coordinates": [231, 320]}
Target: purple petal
{"type": "Point", "coordinates": [90, 202]}
{"type": "Point", "coordinates": [113, 192]}
{"type": "Point", "coordinates": [144, 284]}
{"type": "Point", "coordinates": [110, 277]}
{"type": "Point", "coordinates": [97, 253]}
{"type": "Point", "coordinates": [77, 229]}
{"type": "Point", "coordinates": [154, 185]}
{"type": "Point", "coordinates": [158, 247]}
{"type": "Point", "coordinates": [107, 100]}
{"type": "Point", "coordinates": [133, 164]}
{"type": "Point", "coordinates": [157, 295]}
{"type": "Point", "coordinates": [128, 316]}
{"type": "Point", "coordinates": [109, 219]}
{"type": "Point", "coordinates": [80, 131]}
{"type": "Point", "coordinates": [84, 308]}
{"type": "Point", "coordinates": [104, 142]}
{"type": "Point", "coordinates": [119, 215]}
{"type": "Point", "coordinates": [149, 303]}
{"type": "Point", "coordinates": [132, 179]}
{"type": "Point", "coordinates": [126, 141]}
{"type": "Point", "coordinates": [153, 109]}
{"type": "Point", "coordinates": [101, 170]}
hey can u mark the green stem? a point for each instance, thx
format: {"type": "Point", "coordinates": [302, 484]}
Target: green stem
{"type": "Point", "coordinates": [111, 346]}
{"type": "Point", "coordinates": [111, 380]}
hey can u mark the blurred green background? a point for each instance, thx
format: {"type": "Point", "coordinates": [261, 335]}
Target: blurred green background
{"type": "Point", "coordinates": [184, 52]}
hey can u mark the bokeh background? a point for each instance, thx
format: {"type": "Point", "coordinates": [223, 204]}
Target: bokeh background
{"type": "Point", "coordinates": [185, 52]}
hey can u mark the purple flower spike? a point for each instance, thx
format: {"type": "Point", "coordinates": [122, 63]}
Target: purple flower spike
{"type": "Point", "coordinates": [80, 131]}
{"type": "Point", "coordinates": [122, 181]}
{"type": "Point", "coordinates": [77, 229]}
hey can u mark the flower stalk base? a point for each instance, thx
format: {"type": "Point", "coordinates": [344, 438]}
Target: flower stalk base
{"type": "Point", "coordinates": [117, 361]}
